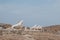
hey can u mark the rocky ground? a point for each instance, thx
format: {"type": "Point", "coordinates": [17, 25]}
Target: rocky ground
{"type": "Point", "coordinates": [34, 36]}
{"type": "Point", "coordinates": [49, 33]}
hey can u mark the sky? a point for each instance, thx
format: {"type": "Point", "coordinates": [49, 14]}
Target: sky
{"type": "Point", "coordinates": [39, 12]}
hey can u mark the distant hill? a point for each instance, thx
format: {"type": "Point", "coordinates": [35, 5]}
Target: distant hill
{"type": "Point", "coordinates": [4, 25]}
{"type": "Point", "coordinates": [52, 28]}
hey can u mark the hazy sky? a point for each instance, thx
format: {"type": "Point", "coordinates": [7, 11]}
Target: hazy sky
{"type": "Point", "coordinates": [41, 12]}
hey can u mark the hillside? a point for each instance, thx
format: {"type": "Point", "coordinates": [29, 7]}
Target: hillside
{"type": "Point", "coordinates": [47, 33]}
{"type": "Point", "coordinates": [52, 28]}
{"type": "Point", "coordinates": [34, 36]}
{"type": "Point", "coordinates": [4, 25]}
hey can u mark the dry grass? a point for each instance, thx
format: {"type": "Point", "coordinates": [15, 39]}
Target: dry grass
{"type": "Point", "coordinates": [33, 36]}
